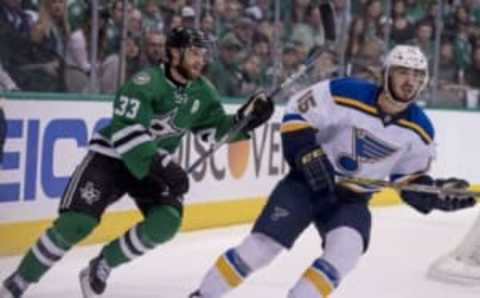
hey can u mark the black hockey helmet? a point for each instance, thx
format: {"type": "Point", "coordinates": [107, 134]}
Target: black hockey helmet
{"type": "Point", "coordinates": [184, 37]}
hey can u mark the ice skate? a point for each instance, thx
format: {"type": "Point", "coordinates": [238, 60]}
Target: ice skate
{"type": "Point", "coordinates": [93, 279]}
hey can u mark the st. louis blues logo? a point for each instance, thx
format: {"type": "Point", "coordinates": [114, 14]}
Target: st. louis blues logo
{"type": "Point", "coordinates": [366, 149]}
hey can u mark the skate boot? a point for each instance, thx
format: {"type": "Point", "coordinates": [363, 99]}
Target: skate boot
{"type": "Point", "coordinates": [93, 279]}
{"type": "Point", "coordinates": [13, 287]}
{"type": "Point", "coordinates": [196, 294]}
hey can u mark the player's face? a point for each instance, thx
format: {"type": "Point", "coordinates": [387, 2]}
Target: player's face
{"type": "Point", "coordinates": [405, 82]}
{"type": "Point", "coordinates": [193, 62]}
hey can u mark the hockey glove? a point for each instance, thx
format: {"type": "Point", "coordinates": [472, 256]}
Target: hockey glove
{"type": "Point", "coordinates": [258, 109]}
{"type": "Point", "coordinates": [316, 168]}
{"type": "Point", "coordinates": [166, 171]}
{"type": "Point", "coordinates": [426, 202]}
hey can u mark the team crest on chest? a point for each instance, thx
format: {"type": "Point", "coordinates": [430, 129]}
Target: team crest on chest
{"type": "Point", "coordinates": [366, 148]}
{"type": "Point", "coordinates": [163, 126]}
{"type": "Point", "coordinates": [142, 78]}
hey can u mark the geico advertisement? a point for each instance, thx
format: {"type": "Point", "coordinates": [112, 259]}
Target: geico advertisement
{"type": "Point", "coordinates": [47, 139]}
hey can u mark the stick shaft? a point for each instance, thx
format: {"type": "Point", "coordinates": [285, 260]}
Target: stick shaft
{"type": "Point", "coordinates": [412, 187]}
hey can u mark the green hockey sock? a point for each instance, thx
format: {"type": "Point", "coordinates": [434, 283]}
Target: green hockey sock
{"type": "Point", "coordinates": [160, 225]}
{"type": "Point", "coordinates": [67, 230]}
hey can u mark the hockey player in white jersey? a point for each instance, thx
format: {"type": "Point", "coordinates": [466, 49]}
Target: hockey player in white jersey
{"type": "Point", "coordinates": [341, 127]}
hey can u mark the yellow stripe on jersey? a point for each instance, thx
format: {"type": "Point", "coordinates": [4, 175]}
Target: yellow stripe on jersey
{"type": "Point", "coordinates": [416, 128]}
{"type": "Point", "coordinates": [355, 104]}
{"type": "Point", "coordinates": [228, 272]}
{"type": "Point", "coordinates": [293, 126]}
{"type": "Point", "coordinates": [319, 281]}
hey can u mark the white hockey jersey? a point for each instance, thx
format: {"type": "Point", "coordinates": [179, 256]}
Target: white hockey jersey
{"type": "Point", "coordinates": [357, 137]}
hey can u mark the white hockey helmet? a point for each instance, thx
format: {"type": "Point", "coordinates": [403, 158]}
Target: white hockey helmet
{"type": "Point", "coordinates": [409, 57]}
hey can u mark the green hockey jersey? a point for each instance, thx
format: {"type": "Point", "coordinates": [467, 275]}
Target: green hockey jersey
{"type": "Point", "coordinates": [151, 114]}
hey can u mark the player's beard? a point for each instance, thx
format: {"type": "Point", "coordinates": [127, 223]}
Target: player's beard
{"type": "Point", "coordinates": [187, 71]}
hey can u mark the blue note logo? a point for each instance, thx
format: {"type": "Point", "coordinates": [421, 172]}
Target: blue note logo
{"type": "Point", "coordinates": [366, 148]}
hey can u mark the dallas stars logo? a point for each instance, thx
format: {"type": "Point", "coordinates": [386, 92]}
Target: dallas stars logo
{"type": "Point", "coordinates": [163, 126]}
{"type": "Point", "coordinates": [89, 193]}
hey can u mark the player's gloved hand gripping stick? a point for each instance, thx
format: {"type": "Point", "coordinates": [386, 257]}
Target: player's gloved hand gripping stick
{"type": "Point", "coordinates": [426, 193]}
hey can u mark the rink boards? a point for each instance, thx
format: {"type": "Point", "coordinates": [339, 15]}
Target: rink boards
{"type": "Point", "coordinates": [47, 138]}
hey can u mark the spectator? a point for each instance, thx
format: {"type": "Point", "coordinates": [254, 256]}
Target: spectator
{"type": "Point", "coordinates": [448, 68]}
{"type": "Point", "coordinates": [175, 21]}
{"type": "Point", "coordinates": [76, 13]}
{"type": "Point", "coordinates": [135, 23]}
{"type": "Point", "coordinates": [415, 10]}
{"type": "Point", "coordinates": [252, 77]}
{"type": "Point", "coordinates": [449, 93]}
{"type": "Point", "coordinates": [368, 65]}
{"type": "Point", "coordinates": [463, 47]}
{"type": "Point", "coordinates": [113, 26]}
{"type": "Point", "coordinates": [80, 64]}
{"type": "Point", "coordinates": [132, 56]}
{"type": "Point", "coordinates": [424, 39]}
{"type": "Point", "coordinates": [207, 25]}
{"type": "Point", "coordinates": [13, 18]}
{"type": "Point", "coordinates": [311, 32]}
{"type": "Point", "coordinates": [261, 48]}
{"type": "Point", "coordinates": [472, 74]}
{"type": "Point", "coordinates": [402, 28]}
{"type": "Point", "coordinates": [372, 18]}
{"type": "Point", "coordinates": [243, 30]}
{"type": "Point", "coordinates": [225, 71]}
{"type": "Point", "coordinates": [15, 30]}
{"type": "Point", "coordinates": [343, 20]}
{"type": "Point", "coordinates": [356, 38]}
{"type": "Point", "coordinates": [152, 17]}
{"type": "Point", "coordinates": [188, 16]}
{"type": "Point", "coordinates": [325, 65]}
{"type": "Point", "coordinates": [260, 10]}
{"type": "Point", "coordinates": [291, 58]}
{"type": "Point", "coordinates": [51, 32]}
{"type": "Point", "coordinates": [154, 49]}
{"type": "Point", "coordinates": [227, 12]}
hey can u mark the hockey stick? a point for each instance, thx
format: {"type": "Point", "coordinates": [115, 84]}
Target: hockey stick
{"type": "Point", "coordinates": [328, 20]}
{"type": "Point", "coordinates": [302, 69]}
{"type": "Point", "coordinates": [411, 187]}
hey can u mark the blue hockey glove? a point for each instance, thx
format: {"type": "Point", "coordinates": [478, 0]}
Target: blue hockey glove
{"type": "Point", "coordinates": [316, 168]}
{"type": "Point", "coordinates": [426, 202]}
{"type": "Point", "coordinates": [258, 108]}
{"type": "Point", "coordinates": [166, 171]}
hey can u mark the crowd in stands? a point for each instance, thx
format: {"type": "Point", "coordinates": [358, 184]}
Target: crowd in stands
{"type": "Point", "coordinates": [45, 45]}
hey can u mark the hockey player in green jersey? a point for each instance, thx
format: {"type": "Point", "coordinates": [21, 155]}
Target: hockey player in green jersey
{"type": "Point", "coordinates": [132, 155]}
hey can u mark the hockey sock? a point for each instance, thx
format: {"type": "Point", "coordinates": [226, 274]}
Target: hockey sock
{"type": "Point", "coordinates": [236, 264]}
{"type": "Point", "coordinates": [67, 230]}
{"type": "Point", "coordinates": [318, 281]}
{"type": "Point", "coordinates": [228, 272]}
{"type": "Point", "coordinates": [160, 225]}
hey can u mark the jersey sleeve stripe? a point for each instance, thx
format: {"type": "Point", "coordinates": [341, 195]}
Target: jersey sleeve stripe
{"type": "Point", "coordinates": [124, 148]}
{"type": "Point", "coordinates": [128, 138]}
{"type": "Point", "coordinates": [126, 131]}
